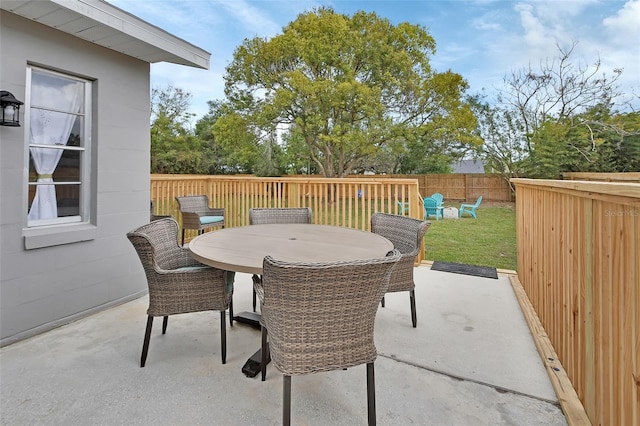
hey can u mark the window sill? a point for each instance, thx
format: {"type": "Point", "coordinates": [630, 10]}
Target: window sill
{"type": "Point", "coordinates": [48, 236]}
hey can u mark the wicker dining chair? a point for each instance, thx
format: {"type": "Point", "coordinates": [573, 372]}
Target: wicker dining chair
{"type": "Point", "coordinates": [406, 235]}
{"type": "Point", "coordinates": [262, 216]}
{"type": "Point", "coordinates": [178, 284]}
{"type": "Point", "coordinates": [320, 317]}
{"type": "Point", "coordinates": [196, 214]}
{"type": "Point", "coordinates": [153, 216]}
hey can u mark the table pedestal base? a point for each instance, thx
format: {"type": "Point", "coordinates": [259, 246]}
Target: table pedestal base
{"type": "Point", "coordinates": [252, 367]}
{"type": "Point", "coordinates": [249, 318]}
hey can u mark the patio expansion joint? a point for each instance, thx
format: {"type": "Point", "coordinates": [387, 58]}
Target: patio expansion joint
{"type": "Point", "coordinates": [499, 389]}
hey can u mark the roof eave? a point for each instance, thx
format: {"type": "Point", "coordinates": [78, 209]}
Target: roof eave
{"type": "Point", "coordinates": [106, 25]}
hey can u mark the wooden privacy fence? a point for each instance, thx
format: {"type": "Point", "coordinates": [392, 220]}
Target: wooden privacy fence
{"type": "Point", "coordinates": [579, 263]}
{"type": "Point", "coordinates": [460, 186]}
{"type": "Point", "coordinates": [341, 202]}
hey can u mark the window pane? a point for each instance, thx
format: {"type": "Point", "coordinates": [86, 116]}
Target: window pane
{"type": "Point", "coordinates": [67, 199]}
{"type": "Point", "coordinates": [67, 170]}
{"type": "Point", "coordinates": [55, 128]}
{"type": "Point", "coordinates": [56, 92]}
{"type": "Point", "coordinates": [75, 138]}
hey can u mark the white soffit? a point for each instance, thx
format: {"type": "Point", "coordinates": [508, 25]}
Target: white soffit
{"type": "Point", "coordinates": [106, 25]}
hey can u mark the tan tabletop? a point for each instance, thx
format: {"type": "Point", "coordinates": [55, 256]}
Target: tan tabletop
{"type": "Point", "coordinates": [243, 249]}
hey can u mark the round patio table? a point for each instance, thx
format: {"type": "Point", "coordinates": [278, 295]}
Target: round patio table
{"type": "Point", "coordinates": [242, 249]}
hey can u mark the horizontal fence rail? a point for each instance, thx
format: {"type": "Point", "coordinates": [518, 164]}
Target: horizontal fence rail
{"type": "Point", "coordinates": [603, 177]}
{"type": "Point", "coordinates": [341, 202]}
{"type": "Point", "coordinates": [579, 263]}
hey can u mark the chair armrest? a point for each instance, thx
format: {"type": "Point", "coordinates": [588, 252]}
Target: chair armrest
{"type": "Point", "coordinates": [190, 220]}
{"type": "Point", "coordinates": [197, 276]}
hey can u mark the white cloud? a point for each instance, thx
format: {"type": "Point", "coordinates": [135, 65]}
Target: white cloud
{"type": "Point", "coordinates": [253, 19]}
{"type": "Point", "coordinates": [624, 26]}
{"type": "Point", "coordinates": [490, 21]}
{"type": "Point", "coordinates": [564, 11]}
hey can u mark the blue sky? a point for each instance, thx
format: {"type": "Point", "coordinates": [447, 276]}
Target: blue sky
{"type": "Point", "coordinates": [483, 40]}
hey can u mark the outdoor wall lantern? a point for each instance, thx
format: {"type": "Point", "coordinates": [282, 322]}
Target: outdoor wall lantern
{"type": "Point", "coordinates": [10, 109]}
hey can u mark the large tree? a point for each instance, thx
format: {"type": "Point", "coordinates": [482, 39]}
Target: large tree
{"type": "Point", "coordinates": [557, 90]}
{"type": "Point", "coordinates": [558, 117]}
{"type": "Point", "coordinates": [504, 147]}
{"type": "Point", "coordinates": [174, 148]}
{"type": "Point", "coordinates": [349, 88]}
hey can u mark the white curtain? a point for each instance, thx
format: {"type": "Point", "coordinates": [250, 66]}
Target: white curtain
{"type": "Point", "coordinates": [51, 128]}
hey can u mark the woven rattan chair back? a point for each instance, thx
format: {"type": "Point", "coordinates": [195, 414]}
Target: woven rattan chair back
{"type": "Point", "coordinates": [153, 216]}
{"type": "Point", "coordinates": [157, 246]}
{"type": "Point", "coordinates": [194, 204]}
{"type": "Point", "coordinates": [177, 283]}
{"type": "Point", "coordinates": [193, 208]}
{"type": "Point", "coordinates": [406, 234]}
{"type": "Point", "coordinates": [320, 317]}
{"type": "Point", "coordinates": [261, 216]}
{"type": "Point", "coordinates": [281, 215]}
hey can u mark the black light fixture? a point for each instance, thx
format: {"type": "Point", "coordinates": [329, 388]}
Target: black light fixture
{"type": "Point", "coordinates": [10, 109]}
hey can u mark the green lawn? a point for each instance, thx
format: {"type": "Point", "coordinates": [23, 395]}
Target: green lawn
{"type": "Point", "coordinates": [489, 240]}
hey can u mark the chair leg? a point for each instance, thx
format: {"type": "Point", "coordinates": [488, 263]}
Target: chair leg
{"type": "Point", "coordinates": [231, 312]}
{"type": "Point", "coordinates": [412, 299]}
{"type": "Point", "coordinates": [145, 345]}
{"type": "Point", "coordinates": [263, 356]}
{"type": "Point", "coordinates": [223, 336]}
{"type": "Point", "coordinates": [286, 400]}
{"type": "Point", "coordinates": [254, 300]}
{"type": "Point", "coordinates": [256, 279]}
{"type": "Point", "coordinates": [371, 395]}
{"type": "Point", "coordinates": [382, 301]}
{"type": "Point", "coordinates": [165, 320]}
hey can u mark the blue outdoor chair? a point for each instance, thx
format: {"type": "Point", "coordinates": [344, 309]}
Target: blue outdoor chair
{"type": "Point", "coordinates": [438, 197]}
{"type": "Point", "coordinates": [470, 208]}
{"type": "Point", "coordinates": [431, 208]}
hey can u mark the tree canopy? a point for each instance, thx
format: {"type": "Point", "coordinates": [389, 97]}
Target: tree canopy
{"type": "Point", "coordinates": [173, 147]}
{"type": "Point", "coordinates": [355, 92]}
{"type": "Point", "coordinates": [335, 94]}
{"type": "Point", "coordinates": [559, 117]}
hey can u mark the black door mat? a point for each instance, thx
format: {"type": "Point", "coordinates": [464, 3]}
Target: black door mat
{"type": "Point", "coordinates": [459, 268]}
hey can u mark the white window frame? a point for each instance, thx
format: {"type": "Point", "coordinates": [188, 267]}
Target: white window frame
{"type": "Point", "coordinates": [69, 229]}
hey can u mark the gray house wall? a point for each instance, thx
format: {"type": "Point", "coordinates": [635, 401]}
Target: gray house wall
{"type": "Point", "coordinates": [46, 287]}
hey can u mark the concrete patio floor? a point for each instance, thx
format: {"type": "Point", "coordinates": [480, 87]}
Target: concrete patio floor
{"type": "Point", "coordinates": [470, 361]}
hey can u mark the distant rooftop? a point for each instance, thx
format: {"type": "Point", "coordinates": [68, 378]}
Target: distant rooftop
{"type": "Point", "coordinates": [468, 166]}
